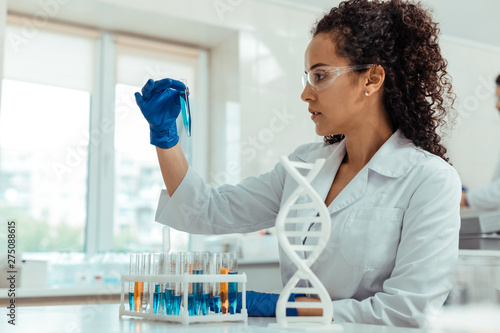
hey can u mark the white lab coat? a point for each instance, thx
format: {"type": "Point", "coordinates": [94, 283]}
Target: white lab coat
{"type": "Point", "coordinates": [487, 197]}
{"type": "Point", "coordinates": [394, 236]}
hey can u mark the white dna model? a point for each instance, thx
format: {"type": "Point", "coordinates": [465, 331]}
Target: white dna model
{"type": "Point", "coordinates": [298, 227]}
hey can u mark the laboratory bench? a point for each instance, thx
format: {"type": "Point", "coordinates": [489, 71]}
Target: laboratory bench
{"type": "Point", "coordinates": [98, 318]}
{"type": "Point", "coordinates": [104, 318]}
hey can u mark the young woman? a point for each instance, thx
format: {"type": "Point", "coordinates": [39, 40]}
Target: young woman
{"type": "Point", "coordinates": [377, 88]}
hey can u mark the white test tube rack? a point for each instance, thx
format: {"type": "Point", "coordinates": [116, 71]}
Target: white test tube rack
{"type": "Point", "coordinates": [184, 317]}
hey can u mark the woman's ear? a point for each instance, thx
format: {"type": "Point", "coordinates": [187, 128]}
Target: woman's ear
{"type": "Point", "coordinates": [375, 77]}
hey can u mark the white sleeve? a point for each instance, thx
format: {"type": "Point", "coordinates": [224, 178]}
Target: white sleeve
{"type": "Point", "coordinates": [198, 208]}
{"type": "Point", "coordinates": [487, 197]}
{"type": "Point", "coordinates": [424, 268]}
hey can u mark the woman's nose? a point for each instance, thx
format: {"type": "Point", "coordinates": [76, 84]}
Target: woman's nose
{"type": "Point", "coordinates": [307, 93]}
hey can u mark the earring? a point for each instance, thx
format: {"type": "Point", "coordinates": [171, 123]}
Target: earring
{"type": "Point", "coordinates": [366, 93]}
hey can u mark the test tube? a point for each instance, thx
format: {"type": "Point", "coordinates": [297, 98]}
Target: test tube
{"type": "Point", "coordinates": [169, 286]}
{"type": "Point", "coordinates": [146, 270]}
{"type": "Point", "coordinates": [233, 286]}
{"type": "Point", "coordinates": [166, 239]}
{"type": "Point", "coordinates": [205, 296]}
{"type": "Point", "coordinates": [173, 292]}
{"type": "Point", "coordinates": [214, 269]}
{"type": "Point", "coordinates": [138, 286]}
{"type": "Point", "coordinates": [188, 261]}
{"type": "Point", "coordinates": [132, 270]}
{"type": "Point", "coordinates": [224, 287]}
{"type": "Point", "coordinates": [158, 292]}
{"type": "Point", "coordinates": [197, 286]}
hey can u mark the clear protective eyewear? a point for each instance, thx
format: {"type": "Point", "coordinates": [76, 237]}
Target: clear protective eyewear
{"type": "Point", "coordinates": [186, 112]}
{"type": "Point", "coordinates": [321, 77]}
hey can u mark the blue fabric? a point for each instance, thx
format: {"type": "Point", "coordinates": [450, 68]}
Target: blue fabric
{"type": "Point", "coordinates": [160, 105]}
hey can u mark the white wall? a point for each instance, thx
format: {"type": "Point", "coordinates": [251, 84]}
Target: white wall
{"type": "Point", "coordinates": [224, 89]}
{"type": "Point", "coordinates": [474, 143]}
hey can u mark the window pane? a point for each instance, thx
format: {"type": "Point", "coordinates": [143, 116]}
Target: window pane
{"type": "Point", "coordinates": [138, 181]}
{"type": "Point", "coordinates": [47, 57]}
{"type": "Point", "coordinates": [43, 164]}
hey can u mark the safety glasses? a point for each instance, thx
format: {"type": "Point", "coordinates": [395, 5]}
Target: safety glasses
{"type": "Point", "coordinates": [186, 112]}
{"type": "Point", "coordinates": [321, 77]}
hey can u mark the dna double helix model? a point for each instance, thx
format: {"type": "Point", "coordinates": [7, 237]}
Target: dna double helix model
{"type": "Point", "coordinates": [290, 226]}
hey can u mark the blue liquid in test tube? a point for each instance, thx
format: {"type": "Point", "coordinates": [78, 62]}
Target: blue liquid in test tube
{"type": "Point", "coordinates": [197, 291]}
{"type": "Point", "coordinates": [216, 301]}
{"type": "Point", "coordinates": [177, 304]}
{"type": "Point", "coordinates": [191, 304]}
{"type": "Point", "coordinates": [163, 302]}
{"type": "Point", "coordinates": [232, 295]}
{"type": "Point", "coordinates": [131, 301]}
{"type": "Point", "coordinates": [169, 301]}
{"type": "Point", "coordinates": [156, 298]}
{"type": "Point", "coordinates": [205, 306]}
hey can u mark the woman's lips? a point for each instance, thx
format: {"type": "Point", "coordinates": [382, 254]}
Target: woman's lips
{"type": "Point", "coordinates": [314, 114]}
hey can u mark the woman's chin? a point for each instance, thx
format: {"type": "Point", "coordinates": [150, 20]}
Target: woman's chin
{"type": "Point", "coordinates": [322, 132]}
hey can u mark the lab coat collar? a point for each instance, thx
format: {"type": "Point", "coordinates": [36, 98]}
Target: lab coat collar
{"type": "Point", "coordinates": [395, 158]}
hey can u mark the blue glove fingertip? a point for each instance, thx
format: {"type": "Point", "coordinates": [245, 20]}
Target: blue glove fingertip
{"type": "Point", "coordinates": [138, 99]}
{"type": "Point", "coordinates": [148, 89]}
{"type": "Point", "coordinates": [169, 84]}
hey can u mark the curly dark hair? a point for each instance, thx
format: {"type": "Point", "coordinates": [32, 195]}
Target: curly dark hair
{"type": "Point", "coordinates": [498, 80]}
{"type": "Point", "coordinates": [403, 39]}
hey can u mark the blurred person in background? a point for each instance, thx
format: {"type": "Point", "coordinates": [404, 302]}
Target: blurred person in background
{"type": "Point", "coordinates": [487, 197]}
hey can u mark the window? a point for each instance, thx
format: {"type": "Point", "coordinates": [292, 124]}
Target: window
{"type": "Point", "coordinates": [44, 125]}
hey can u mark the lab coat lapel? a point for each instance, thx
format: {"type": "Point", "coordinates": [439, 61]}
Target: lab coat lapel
{"type": "Point", "coordinates": [333, 156]}
{"type": "Point", "coordinates": [352, 192]}
{"type": "Point", "coordinates": [394, 159]}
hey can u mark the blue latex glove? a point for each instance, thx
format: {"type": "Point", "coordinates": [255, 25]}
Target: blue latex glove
{"type": "Point", "coordinates": [264, 305]}
{"type": "Point", "coordinates": [160, 106]}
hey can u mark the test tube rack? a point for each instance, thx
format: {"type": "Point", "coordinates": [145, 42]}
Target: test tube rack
{"type": "Point", "coordinates": [184, 317]}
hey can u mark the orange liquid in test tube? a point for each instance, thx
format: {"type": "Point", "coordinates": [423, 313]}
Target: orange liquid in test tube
{"type": "Point", "coordinates": [138, 293]}
{"type": "Point", "coordinates": [224, 302]}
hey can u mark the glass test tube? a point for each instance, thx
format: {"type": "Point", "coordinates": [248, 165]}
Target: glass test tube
{"type": "Point", "coordinates": [205, 296]}
{"type": "Point", "coordinates": [138, 285]}
{"type": "Point", "coordinates": [158, 292]}
{"type": "Point", "coordinates": [224, 269]}
{"type": "Point", "coordinates": [146, 270]}
{"type": "Point", "coordinates": [173, 291]}
{"type": "Point", "coordinates": [132, 270]}
{"type": "Point", "coordinates": [197, 286]}
{"type": "Point", "coordinates": [214, 268]}
{"type": "Point", "coordinates": [233, 286]}
{"type": "Point", "coordinates": [188, 261]}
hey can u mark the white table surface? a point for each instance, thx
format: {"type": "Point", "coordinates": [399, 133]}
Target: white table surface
{"type": "Point", "coordinates": [96, 318]}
